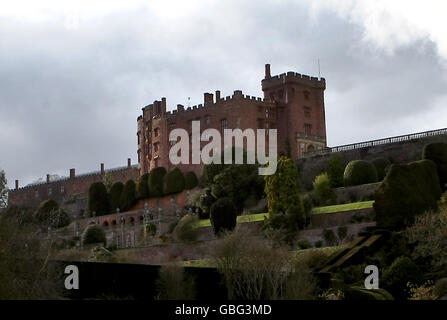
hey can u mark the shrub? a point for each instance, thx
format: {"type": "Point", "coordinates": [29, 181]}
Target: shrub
{"type": "Point", "coordinates": [156, 181]}
{"type": "Point", "coordinates": [206, 200]}
{"type": "Point", "coordinates": [428, 239]}
{"type": "Point", "coordinates": [335, 171]}
{"type": "Point", "coordinates": [437, 152]}
{"type": "Point", "coordinates": [223, 215]}
{"type": "Point", "coordinates": [98, 199]}
{"type": "Point", "coordinates": [359, 172]}
{"type": "Point", "coordinates": [381, 164]}
{"type": "Point", "coordinates": [185, 230]}
{"type": "Point", "coordinates": [408, 190]}
{"type": "Point", "coordinates": [342, 231]}
{"type": "Point", "coordinates": [318, 244]}
{"type": "Point", "coordinates": [143, 186]}
{"type": "Point", "coordinates": [253, 270]}
{"type": "Point", "coordinates": [303, 244]}
{"type": "Point", "coordinates": [50, 215]}
{"type": "Point", "coordinates": [173, 182]}
{"type": "Point", "coordinates": [285, 206]}
{"type": "Point", "coordinates": [115, 196]}
{"type": "Point", "coordinates": [329, 237]}
{"type": "Point", "coordinates": [93, 234]}
{"type": "Point", "coordinates": [322, 189]}
{"type": "Point", "coordinates": [191, 180]}
{"type": "Point", "coordinates": [441, 287]}
{"type": "Point", "coordinates": [174, 284]}
{"type": "Point", "coordinates": [128, 197]}
{"type": "Point", "coordinates": [396, 277]}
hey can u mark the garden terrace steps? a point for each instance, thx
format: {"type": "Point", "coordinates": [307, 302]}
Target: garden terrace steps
{"type": "Point", "coordinates": [344, 250]}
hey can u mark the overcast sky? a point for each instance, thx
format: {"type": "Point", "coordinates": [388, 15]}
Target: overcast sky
{"type": "Point", "coordinates": [74, 75]}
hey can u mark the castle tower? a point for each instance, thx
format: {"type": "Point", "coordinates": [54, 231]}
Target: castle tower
{"type": "Point", "coordinates": [300, 113]}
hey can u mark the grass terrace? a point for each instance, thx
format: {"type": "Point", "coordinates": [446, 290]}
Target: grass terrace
{"type": "Point", "coordinates": [344, 207]}
{"type": "Point", "coordinates": [319, 210]}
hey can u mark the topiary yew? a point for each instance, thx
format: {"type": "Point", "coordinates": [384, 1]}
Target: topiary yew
{"type": "Point", "coordinates": [191, 180]}
{"type": "Point", "coordinates": [223, 215]}
{"type": "Point", "coordinates": [115, 196]}
{"type": "Point", "coordinates": [173, 182]}
{"type": "Point", "coordinates": [128, 196]}
{"type": "Point", "coordinates": [381, 164]}
{"type": "Point", "coordinates": [156, 181]}
{"type": "Point", "coordinates": [359, 172]}
{"type": "Point", "coordinates": [143, 187]}
{"type": "Point", "coordinates": [437, 152]}
{"type": "Point", "coordinates": [98, 199]}
{"type": "Point", "coordinates": [408, 190]}
{"type": "Point", "coordinates": [93, 234]}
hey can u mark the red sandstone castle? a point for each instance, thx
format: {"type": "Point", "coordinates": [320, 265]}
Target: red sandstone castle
{"type": "Point", "coordinates": [293, 104]}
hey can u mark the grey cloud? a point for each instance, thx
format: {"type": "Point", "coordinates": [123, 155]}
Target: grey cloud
{"type": "Point", "coordinates": [70, 98]}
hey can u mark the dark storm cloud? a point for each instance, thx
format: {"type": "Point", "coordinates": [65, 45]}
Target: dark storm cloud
{"type": "Point", "coordinates": [70, 97]}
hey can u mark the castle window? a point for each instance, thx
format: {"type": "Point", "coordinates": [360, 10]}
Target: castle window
{"type": "Point", "coordinates": [156, 132]}
{"type": "Point", "coordinates": [266, 113]}
{"type": "Point", "coordinates": [62, 189]}
{"type": "Point", "coordinates": [306, 95]}
{"type": "Point", "coordinates": [138, 137]}
{"type": "Point", "coordinates": [208, 120]}
{"type": "Point", "coordinates": [50, 191]}
{"type": "Point", "coordinates": [280, 94]}
{"type": "Point", "coordinates": [307, 112]}
{"type": "Point", "coordinates": [128, 241]}
{"type": "Point", "coordinates": [223, 124]}
{"type": "Point", "coordinates": [36, 194]}
{"type": "Point", "coordinates": [156, 147]}
{"type": "Point", "coordinates": [139, 156]}
{"type": "Point", "coordinates": [307, 129]}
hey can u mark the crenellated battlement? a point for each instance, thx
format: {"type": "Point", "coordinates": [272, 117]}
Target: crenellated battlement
{"type": "Point", "coordinates": [209, 103]}
{"type": "Point", "coordinates": [291, 77]}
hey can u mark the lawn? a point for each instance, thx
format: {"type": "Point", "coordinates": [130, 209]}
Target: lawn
{"type": "Point", "coordinates": [344, 207]}
{"type": "Point", "coordinates": [318, 210]}
{"type": "Point", "coordinates": [240, 219]}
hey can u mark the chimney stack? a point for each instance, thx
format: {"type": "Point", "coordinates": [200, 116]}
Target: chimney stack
{"type": "Point", "coordinates": [208, 98]}
{"type": "Point", "coordinates": [163, 105]}
{"type": "Point", "coordinates": [102, 168]}
{"type": "Point", "coordinates": [48, 178]}
{"type": "Point", "coordinates": [267, 71]}
{"type": "Point", "coordinates": [217, 95]}
{"type": "Point", "coordinates": [72, 173]}
{"type": "Point", "coordinates": [129, 163]}
{"type": "Point", "coordinates": [17, 184]}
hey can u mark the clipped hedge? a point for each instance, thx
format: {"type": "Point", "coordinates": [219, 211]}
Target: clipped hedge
{"type": "Point", "coordinates": [49, 214]}
{"type": "Point", "coordinates": [93, 234]}
{"type": "Point", "coordinates": [408, 190]}
{"type": "Point", "coordinates": [143, 187]}
{"type": "Point", "coordinates": [437, 152]}
{"type": "Point", "coordinates": [359, 172]}
{"type": "Point", "coordinates": [156, 181]}
{"type": "Point", "coordinates": [223, 215]}
{"type": "Point", "coordinates": [128, 196]}
{"type": "Point", "coordinates": [98, 199]}
{"type": "Point", "coordinates": [115, 196]}
{"type": "Point", "coordinates": [173, 182]}
{"type": "Point", "coordinates": [191, 180]}
{"type": "Point", "coordinates": [381, 164]}
{"type": "Point", "coordinates": [335, 171]}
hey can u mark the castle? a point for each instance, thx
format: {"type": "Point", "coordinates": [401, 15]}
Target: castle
{"type": "Point", "coordinates": [292, 103]}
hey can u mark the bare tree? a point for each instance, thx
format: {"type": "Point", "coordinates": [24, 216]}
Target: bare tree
{"type": "Point", "coordinates": [3, 190]}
